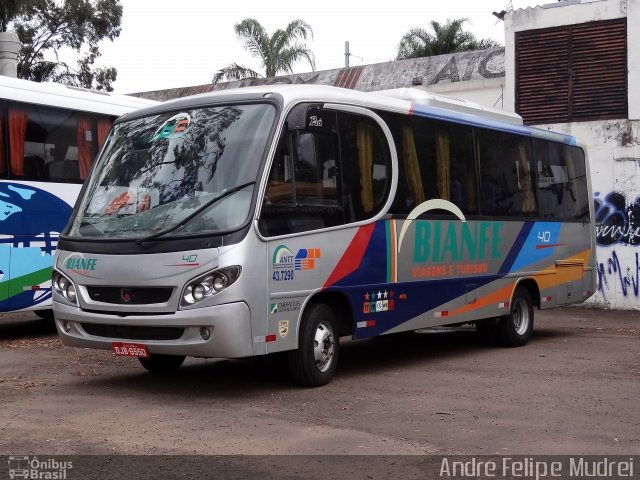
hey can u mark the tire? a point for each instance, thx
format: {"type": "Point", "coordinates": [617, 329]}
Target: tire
{"type": "Point", "coordinates": [45, 314]}
{"type": "Point", "coordinates": [515, 329]}
{"type": "Point", "coordinates": [314, 362]}
{"type": "Point", "coordinates": [158, 363]}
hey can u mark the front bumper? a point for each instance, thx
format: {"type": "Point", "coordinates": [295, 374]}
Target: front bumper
{"type": "Point", "coordinates": [229, 324]}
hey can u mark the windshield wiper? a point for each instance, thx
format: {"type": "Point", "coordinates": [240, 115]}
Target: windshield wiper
{"type": "Point", "coordinates": [197, 212]}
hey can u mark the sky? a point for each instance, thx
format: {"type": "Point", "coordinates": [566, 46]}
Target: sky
{"type": "Point", "coordinates": [179, 43]}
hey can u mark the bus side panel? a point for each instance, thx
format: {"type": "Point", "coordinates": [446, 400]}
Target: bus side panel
{"type": "Point", "coordinates": [436, 272]}
{"type": "Point", "coordinates": [32, 215]}
{"type": "Point", "coordinates": [5, 262]}
{"type": "Point", "coordinates": [300, 266]}
{"type": "Point", "coordinates": [560, 257]}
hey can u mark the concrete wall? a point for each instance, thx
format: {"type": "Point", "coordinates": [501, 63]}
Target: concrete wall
{"type": "Point", "coordinates": [476, 76]}
{"type": "Point", "coordinates": [613, 148]}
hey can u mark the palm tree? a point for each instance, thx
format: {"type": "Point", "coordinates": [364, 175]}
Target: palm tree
{"type": "Point", "coordinates": [447, 38]}
{"type": "Point", "coordinates": [278, 52]}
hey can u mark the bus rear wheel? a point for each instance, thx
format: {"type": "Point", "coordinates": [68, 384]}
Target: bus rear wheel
{"type": "Point", "coordinates": [314, 362]}
{"type": "Point", "coordinates": [515, 329]}
{"type": "Point", "coordinates": [158, 363]}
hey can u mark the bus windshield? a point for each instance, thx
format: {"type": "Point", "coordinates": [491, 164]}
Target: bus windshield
{"type": "Point", "coordinates": [177, 173]}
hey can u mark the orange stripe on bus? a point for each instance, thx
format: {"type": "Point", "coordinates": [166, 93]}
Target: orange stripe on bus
{"type": "Point", "coordinates": [490, 299]}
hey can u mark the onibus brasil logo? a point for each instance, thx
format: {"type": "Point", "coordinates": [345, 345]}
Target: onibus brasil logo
{"type": "Point", "coordinates": [34, 468]}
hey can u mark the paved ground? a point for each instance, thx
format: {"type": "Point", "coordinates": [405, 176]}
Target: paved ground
{"type": "Point", "coordinates": [573, 389]}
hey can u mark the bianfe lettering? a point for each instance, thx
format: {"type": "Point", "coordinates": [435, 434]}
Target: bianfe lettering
{"type": "Point", "coordinates": [74, 263]}
{"type": "Point", "coordinates": [455, 241]}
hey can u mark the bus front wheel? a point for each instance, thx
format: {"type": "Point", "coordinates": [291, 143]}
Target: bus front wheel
{"type": "Point", "coordinates": [515, 329]}
{"type": "Point", "coordinates": [314, 362]}
{"type": "Point", "coordinates": [158, 363]}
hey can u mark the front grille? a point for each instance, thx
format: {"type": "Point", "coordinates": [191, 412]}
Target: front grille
{"type": "Point", "coordinates": [126, 332]}
{"type": "Point", "coordinates": [130, 296]}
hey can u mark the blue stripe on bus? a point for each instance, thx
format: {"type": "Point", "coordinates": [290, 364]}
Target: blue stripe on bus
{"type": "Point", "coordinates": [540, 244]}
{"type": "Point", "coordinates": [420, 297]}
{"type": "Point", "coordinates": [516, 248]}
{"type": "Point", "coordinates": [373, 265]}
{"type": "Point", "coordinates": [476, 121]}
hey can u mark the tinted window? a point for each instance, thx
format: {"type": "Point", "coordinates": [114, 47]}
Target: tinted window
{"type": "Point", "coordinates": [506, 168]}
{"type": "Point", "coordinates": [366, 166]}
{"type": "Point", "coordinates": [436, 160]}
{"type": "Point", "coordinates": [329, 168]}
{"type": "Point", "coordinates": [562, 181]}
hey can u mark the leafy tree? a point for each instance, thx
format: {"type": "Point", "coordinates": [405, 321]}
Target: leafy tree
{"type": "Point", "coordinates": [277, 52]}
{"type": "Point", "coordinates": [443, 39]}
{"type": "Point", "coordinates": [47, 27]}
{"type": "Point", "coordinates": [9, 9]}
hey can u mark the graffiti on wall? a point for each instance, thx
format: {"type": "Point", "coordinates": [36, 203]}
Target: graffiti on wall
{"type": "Point", "coordinates": [617, 220]}
{"type": "Point", "coordinates": [452, 68]}
{"type": "Point", "coordinates": [617, 224]}
{"type": "Point", "coordinates": [482, 62]}
{"type": "Point", "coordinates": [611, 273]}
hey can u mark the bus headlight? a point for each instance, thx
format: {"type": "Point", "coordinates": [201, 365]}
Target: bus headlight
{"type": "Point", "coordinates": [209, 284]}
{"type": "Point", "coordinates": [64, 289]}
{"type": "Point", "coordinates": [70, 292]}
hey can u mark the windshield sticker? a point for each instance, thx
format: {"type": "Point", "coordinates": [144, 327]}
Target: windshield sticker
{"type": "Point", "coordinates": [123, 200]}
{"type": "Point", "coordinates": [175, 127]}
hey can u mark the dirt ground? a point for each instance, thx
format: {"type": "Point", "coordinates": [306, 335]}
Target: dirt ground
{"type": "Point", "coordinates": [573, 390]}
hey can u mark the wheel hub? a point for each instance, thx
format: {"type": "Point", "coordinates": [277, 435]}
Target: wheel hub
{"type": "Point", "coordinates": [324, 347]}
{"type": "Point", "coordinates": [520, 316]}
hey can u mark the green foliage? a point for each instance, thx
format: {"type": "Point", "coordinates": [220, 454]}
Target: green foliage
{"type": "Point", "coordinates": [9, 9]}
{"type": "Point", "coordinates": [443, 39]}
{"type": "Point", "coordinates": [46, 27]}
{"type": "Point", "coordinates": [277, 52]}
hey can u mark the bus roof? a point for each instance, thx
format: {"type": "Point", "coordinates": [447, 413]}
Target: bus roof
{"type": "Point", "coordinates": [423, 97]}
{"type": "Point", "coordinates": [74, 98]}
{"type": "Point", "coordinates": [408, 101]}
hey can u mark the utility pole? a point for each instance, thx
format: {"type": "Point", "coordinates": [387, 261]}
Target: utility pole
{"type": "Point", "coordinates": [346, 54]}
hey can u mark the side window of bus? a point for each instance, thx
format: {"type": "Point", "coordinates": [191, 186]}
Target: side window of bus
{"type": "Point", "coordinates": [47, 144]}
{"type": "Point", "coordinates": [302, 191]}
{"type": "Point", "coordinates": [455, 167]}
{"type": "Point", "coordinates": [366, 166]}
{"type": "Point", "coordinates": [436, 160]}
{"type": "Point", "coordinates": [506, 169]}
{"type": "Point", "coordinates": [562, 181]}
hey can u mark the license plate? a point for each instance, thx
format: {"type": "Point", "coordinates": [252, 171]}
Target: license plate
{"type": "Point", "coordinates": [129, 349]}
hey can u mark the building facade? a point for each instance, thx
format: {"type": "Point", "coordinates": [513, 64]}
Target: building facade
{"type": "Point", "coordinates": [574, 66]}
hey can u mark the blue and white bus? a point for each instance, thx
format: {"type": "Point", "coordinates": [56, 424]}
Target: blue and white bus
{"type": "Point", "coordinates": [281, 218]}
{"type": "Point", "coordinates": [49, 136]}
